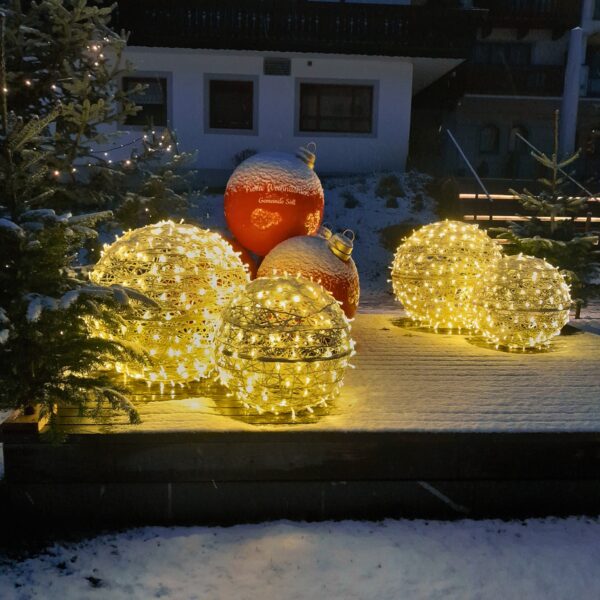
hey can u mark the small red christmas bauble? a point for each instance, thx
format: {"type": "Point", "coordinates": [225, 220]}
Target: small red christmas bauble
{"type": "Point", "coordinates": [245, 255]}
{"type": "Point", "coordinates": [327, 261]}
{"type": "Point", "coordinates": [271, 197]}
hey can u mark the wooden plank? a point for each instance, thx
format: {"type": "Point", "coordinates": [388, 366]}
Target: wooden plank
{"type": "Point", "coordinates": [303, 456]}
{"type": "Point", "coordinates": [239, 502]}
{"type": "Point", "coordinates": [18, 423]}
{"type": "Point", "coordinates": [407, 379]}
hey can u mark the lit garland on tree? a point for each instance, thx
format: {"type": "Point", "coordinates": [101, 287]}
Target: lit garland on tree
{"type": "Point", "coordinates": [283, 345]}
{"type": "Point", "coordinates": [523, 303]}
{"type": "Point", "coordinates": [191, 273]}
{"type": "Point", "coordinates": [436, 270]}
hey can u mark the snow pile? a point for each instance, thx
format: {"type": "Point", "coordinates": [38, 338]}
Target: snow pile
{"type": "Point", "coordinates": [394, 559]}
{"type": "Point", "coordinates": [366, 204]}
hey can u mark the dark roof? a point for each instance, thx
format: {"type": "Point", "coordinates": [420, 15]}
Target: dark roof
{"type": "Point", "coordinates": [301, 26]}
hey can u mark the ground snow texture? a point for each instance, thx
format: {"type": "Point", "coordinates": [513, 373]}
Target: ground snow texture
{"type": "Point", "coordinates": [546, 559]}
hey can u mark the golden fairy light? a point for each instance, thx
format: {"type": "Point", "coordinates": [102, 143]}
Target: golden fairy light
{"type": "Point", "coordinates": [436, 270]}
{"type": "Point", "coordinates": [283, 345]}
{"type": "Point", "coordinates": [523, 303]}
{"type": "Point", "coordinates": [191, 273]}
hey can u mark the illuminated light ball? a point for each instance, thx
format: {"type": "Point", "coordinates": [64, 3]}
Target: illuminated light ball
{"type": "Point", "coordinates": [523, 303]}
{"type": "Point", "coordinates": [191, 273]}
{"type": "Point", "coordinates": [327, 261]}
{"type": "Point", "coordinates": [245, 256]}
{"type": "Point", "coordinates": [283, 345]}
{"type": "Point", "coordinates": [271, 197]}
{"type": "Point", "coordinates": [437, 269]}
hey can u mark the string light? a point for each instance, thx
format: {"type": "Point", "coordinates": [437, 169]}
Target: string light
{"type": "Point", "coordinates": [523, 303]}
{"type": "Point", "coordinates": [436, 270]}
{"type": "Point", "coordinates": [191, 273]}
{"type": "Point", "coordinates": [283, 345]}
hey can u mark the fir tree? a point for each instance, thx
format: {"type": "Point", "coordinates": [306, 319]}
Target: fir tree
{"type": "Point", "coordinates": [554, 238]}
{"type": "Point", "coordinates": [47, 356]}
{"type": "Point", "coordinates": [64, 51]}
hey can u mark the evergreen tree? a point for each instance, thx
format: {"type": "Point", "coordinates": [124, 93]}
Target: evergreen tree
{"type": "Point", "coordinates": [64, 51]}
{"type": "Point", "coordinates": [554, 238]}
{"type": "Point", "coordinates": [47, 356]}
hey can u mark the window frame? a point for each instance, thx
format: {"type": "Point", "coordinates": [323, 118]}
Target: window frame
{"type": "Point", "coordinates": [168, 76]}
{"type": "Point", "coordinates": [373, 83]}
{"type": "Point", "coordinates": [208, 77]}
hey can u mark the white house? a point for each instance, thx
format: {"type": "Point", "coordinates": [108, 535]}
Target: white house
{"type": "Point", "coordinates": [236, 75]}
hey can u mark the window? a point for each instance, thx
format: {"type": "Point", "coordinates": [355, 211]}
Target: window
{"type": "Point", "coordinates": [502, 53]}
{"type": "Point", "coordinates": [231, 104]}
{"type": "Point", "coordinates": [336, 108]}
{"type": "Point", "coordinates": [152, 99]}
{"type": "Point", "coordinates": [489, 139]}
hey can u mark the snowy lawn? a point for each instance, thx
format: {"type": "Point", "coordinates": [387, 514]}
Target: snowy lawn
{"type": "Point", "coordinates": [544, 559]}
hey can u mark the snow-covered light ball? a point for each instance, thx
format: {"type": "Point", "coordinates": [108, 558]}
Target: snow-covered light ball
{"type": "Point", "coordinates": [191, 273]}
{"type": "Point", "coordinates": [271, 197]}
{"type": "Point", "coordinates": [523, 303]}
{"type": "Point", "coordinates": [283, 345]}
{"type": "Point", "coordinates": [437, 269]}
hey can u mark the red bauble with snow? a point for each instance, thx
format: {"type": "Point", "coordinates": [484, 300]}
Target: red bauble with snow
{"type": "Point", "coordinates": [320, 258]}
{"type": "Point", "coordinates": [271, 197]}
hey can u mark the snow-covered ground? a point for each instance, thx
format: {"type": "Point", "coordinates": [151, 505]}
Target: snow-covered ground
{"type": "Point", "coordinates": [535, 559]}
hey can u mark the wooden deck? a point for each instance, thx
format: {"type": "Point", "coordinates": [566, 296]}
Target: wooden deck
{"type": "Point", "coordinates": [427, 425]}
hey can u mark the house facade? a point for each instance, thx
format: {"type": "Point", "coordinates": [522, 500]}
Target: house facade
{"type": "Point", "coordinates": [233, 77]}
{"type": "Point", "coordinates": [512, 84]}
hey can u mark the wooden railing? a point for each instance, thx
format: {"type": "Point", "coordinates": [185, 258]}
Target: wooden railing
{"type": "Point", "coordinates": [298, 25]}
{"type": "Point", "coordinates": [532, 13]}
{"type": "Point", "coordinates": [532, 80]}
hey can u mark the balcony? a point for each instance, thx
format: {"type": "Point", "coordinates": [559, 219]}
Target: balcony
{"type": "Point", "coordinates": [300, 26]}
{"type": "Point", "coordinates": [508, 80]}
{"type": "Point", "coordinates": [558, 15]}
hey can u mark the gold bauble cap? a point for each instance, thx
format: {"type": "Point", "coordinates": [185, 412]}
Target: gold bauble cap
{"type": "Point", "coordinates": [342, 244]}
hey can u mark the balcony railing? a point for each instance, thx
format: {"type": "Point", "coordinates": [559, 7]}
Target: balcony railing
{"type": "Point", "coordinates": [297, 25]}
{"type": "Point", "coordinates": [545, 14]}
{"type": "Point", "coordinates": [532, 80]}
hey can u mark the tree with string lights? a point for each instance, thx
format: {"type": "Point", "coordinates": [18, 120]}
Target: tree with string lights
{"type": "Point", "coordinates": [47, 355]}
{"type": "Point", "coordinates": [65, 52]}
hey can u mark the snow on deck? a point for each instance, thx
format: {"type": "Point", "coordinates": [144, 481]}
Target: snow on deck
{"type": "Point", "coordinates": [411, 380]}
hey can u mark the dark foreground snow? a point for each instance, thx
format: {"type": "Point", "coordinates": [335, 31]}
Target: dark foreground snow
{"type": "Point", "coordinates": [544, 559]}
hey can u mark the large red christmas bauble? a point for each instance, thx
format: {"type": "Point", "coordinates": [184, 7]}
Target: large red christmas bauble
{"type": "Point", "coordinates": [271, 197]}
{"type": "Point", "coordinates": [327, 261]}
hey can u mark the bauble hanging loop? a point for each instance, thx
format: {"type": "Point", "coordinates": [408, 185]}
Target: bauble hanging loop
{"type": "Point", "coordinates": [341, 244]}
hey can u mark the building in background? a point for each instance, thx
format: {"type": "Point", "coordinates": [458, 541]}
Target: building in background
{"type": "Point", "coordinates": [513, 83]}
{"type": "Point", "coordinates": [233, 77]}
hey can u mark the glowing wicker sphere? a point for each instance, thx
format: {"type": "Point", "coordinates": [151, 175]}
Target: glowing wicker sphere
{"type": "Point", "coordinates": [283, 345]}
{"type": "Point", "coordinates": [436, 270]}
{"type": "Point", "coordinates": [523, 303]}
{"type": "Point", "coordinates": [191, 273]}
